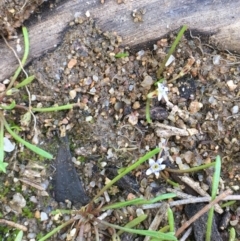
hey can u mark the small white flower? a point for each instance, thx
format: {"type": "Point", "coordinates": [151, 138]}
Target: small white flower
{"type": "Point", "coordinates": [162, 92]}
{"type": "Point", "coordinates": [155, 167]}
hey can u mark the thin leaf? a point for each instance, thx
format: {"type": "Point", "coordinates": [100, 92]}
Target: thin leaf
{"type": "Point", "coordinates": [127, 170]}
{"type": "Point", "coordinates": [53, 108]}
{"type": "Point", "coordinates": [24, 59]}
{"type": "Point", "coordinates": [19, 236]}
{"type": "Point", "coordinates": [154, 234]}
{"type": "Point", "coordinates": [232, 234]}
{"type": "Point", "coordinates": [33, 148]}
{"type": "Point", "coordinates": [3, 166]}
{"type": "Point", "coordinates": [216, 177]}
{"type": "Point", "coordinates": [55, 230]}
{"type": "Point", "coordinates": [26, 81]}
{"type": "Point", "coordinates": [1, 141]}
{"type": "Point", "coordinates": [9, 107]}
{"type": "Point", "coordinates": [133, 223]}
{"type": "Point", "coordinates": [172, 49]}
{"type": "Point", "coordinates": [215, 183]}
{"type": "Point", "coordinates": [121, 55]}
{"type": "Point", "coordinates": [171, 220]}
{"type": "Point", "coordinates": [122, 204]}
{"type": "Point", "coordinates": [148, 116]}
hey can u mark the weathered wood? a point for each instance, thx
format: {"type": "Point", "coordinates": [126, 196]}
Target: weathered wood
{"type": "Point", "coordinates": [218, 18]}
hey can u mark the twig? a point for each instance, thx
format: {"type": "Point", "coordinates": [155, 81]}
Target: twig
{"type": "Point", "coordinates": [195, 186]}
{"type": "Point", "coordinates": [157, 219]}
{"type": "Point", "coordinates": [186, 234]}
{"type": "Point", "coordinates": [189, 200]}
{"type": "Point", "coordinates": [15, 225]}
{"type": "Point", "coordinates": [202, 211]}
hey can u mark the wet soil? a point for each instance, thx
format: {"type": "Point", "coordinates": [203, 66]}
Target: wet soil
{"type": "Point", "coordinates": [108, 129]}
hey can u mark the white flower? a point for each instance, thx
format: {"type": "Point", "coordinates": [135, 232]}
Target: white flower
{"type": "Point", "coordinates": [162, 92]}
{"type": "Point", "coordinates": [155, 167]}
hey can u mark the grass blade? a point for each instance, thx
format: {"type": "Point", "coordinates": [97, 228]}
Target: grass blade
{"type": "Point", "coordinates": [33, 148]}
{"type": "Point", "coordinates": [127, 170]}
{"type": "Point", "coordinates": [19, 236]}
{"type": "Point", "coordinates": [171, 220]}
{"type": "Point", "coordinates": [155, 234]}
{"type": "Point", "coordinates": [27, 81]}
{"type": "Point", "coordinates": [53, 108]}
{"type": "Point", "coordinates": [215, 183]}
{"type": "Point", "coordinates": [9, 107]}
{"type": "Point", "coordinates": [133, 223]}
{"type": "Point", "coordinates": [172, 49]}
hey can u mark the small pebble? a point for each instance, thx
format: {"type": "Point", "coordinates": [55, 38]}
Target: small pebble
{"type": "Point", "coordinates": [147, 82]}
{"type": "Point", "coordinates": [231, 85]}
{"type": "Point", "coordinates": [235, 109]}
{"type": "Point", "coordinates": [216, 59]}
{"type": "Point", "coordinates": [43, 216]}
{"type": "Point", "coordinates": [139, 212]}
{"type": "Point", "coordinates": [72, 63]}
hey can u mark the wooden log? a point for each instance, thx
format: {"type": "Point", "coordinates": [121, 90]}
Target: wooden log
{"type": "Point", "coordinates": [220, 20]}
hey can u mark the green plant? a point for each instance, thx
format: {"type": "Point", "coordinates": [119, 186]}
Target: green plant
{"type": "Point", "coordinates": [10, 105]}
{"type": "Point", "coordinates": [215, 183]}
{"type": "Point", "coordinates": [160, 70]}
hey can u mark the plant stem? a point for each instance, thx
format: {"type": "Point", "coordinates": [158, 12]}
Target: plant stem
{"type": "Point", "coordinates": [148, 116]}
{"type": "Point", "coordinates": [24, 59]}
{"type": "Point", "coordinates": [194, 169]}
{"type": "Point", "coordinates": [33, 148]}
{"type": "Point", "coordinates": [172, 49]}
{"type": "Point", "coordinates": [55, 230]}
{"type": "Point", "coordinates": [53, 108]}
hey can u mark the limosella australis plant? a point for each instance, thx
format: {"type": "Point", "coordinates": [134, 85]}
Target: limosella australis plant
{"type": "Point", "coordinates": [7, 104]}
{"type": "Point", "coordinates": [94, 214]}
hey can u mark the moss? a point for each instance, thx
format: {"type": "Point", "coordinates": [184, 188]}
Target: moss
{"type": "Point", "coordinates": [26, 212]}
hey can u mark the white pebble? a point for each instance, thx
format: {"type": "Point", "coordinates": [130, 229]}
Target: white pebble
{"type": "Point", "coordinates": [235, 109]}
{"type": "Point", "coordinates": [139, 212]}
{"type": "Point", "coordinates": [87, 14]}
{"type": "Point", "coordinates": [89, 118]}
{"type": "Point", "coordinates": [44, 216]}
{"type": "Point", "coordinates": [8, 146]}
{"type": "Point", "coordinates": [216, 59]}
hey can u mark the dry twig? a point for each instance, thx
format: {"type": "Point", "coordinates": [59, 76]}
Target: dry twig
{"type": "Point", "coordinates": [14, 225]}
{"type": "Point", "coordinates": [202, 211]}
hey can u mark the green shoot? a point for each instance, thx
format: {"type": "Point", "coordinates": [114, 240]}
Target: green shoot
{"type": "Point", "coordinates": [194, 169]}
{"type": "Point", "coordinates": [139, 201]}
{"type": "Point", "coordinates": [232, 234]}
{"type": "Point", "coordinates": [57, 229]}
{"type": "Point", "coordinates": [19, 236]}
{"type": "Point", "coordinates": [227, 204]}
{"type": "Point", "coordinates": [25, 82]}
{"type": "Point", "coordinates": [154, 234]}
{"type": "Point", "coordinates": [161, 68]}
{"type": "Point", "coordinates": [53, 108]}
{"type": "Point", "coordinates": [127, 170]}
{"type": "Point", "coordinates": [216, 178]}
{"type": "Point", "coordinates": [148, 116]}
{"type": "Point", "coordinates": [171, 220]}
{"type": "Point", "coordinates": [133, 223]}
{"type": "Point", "coordinates": [24, 59]}
{"type": "Point", "coordinates": [33, 148]}
{"type": "Point", "coordinates": [8, 107]}
{"type": "Point", "coordinates": [3, 164]}
{"type": "Point", "coordinates": [121, 55]}
{"type": "Point", "coordinates": [172, 49]}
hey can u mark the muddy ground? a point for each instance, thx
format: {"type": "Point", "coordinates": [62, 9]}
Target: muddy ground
{"type": "Point", "coordinates": [108, 129]}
